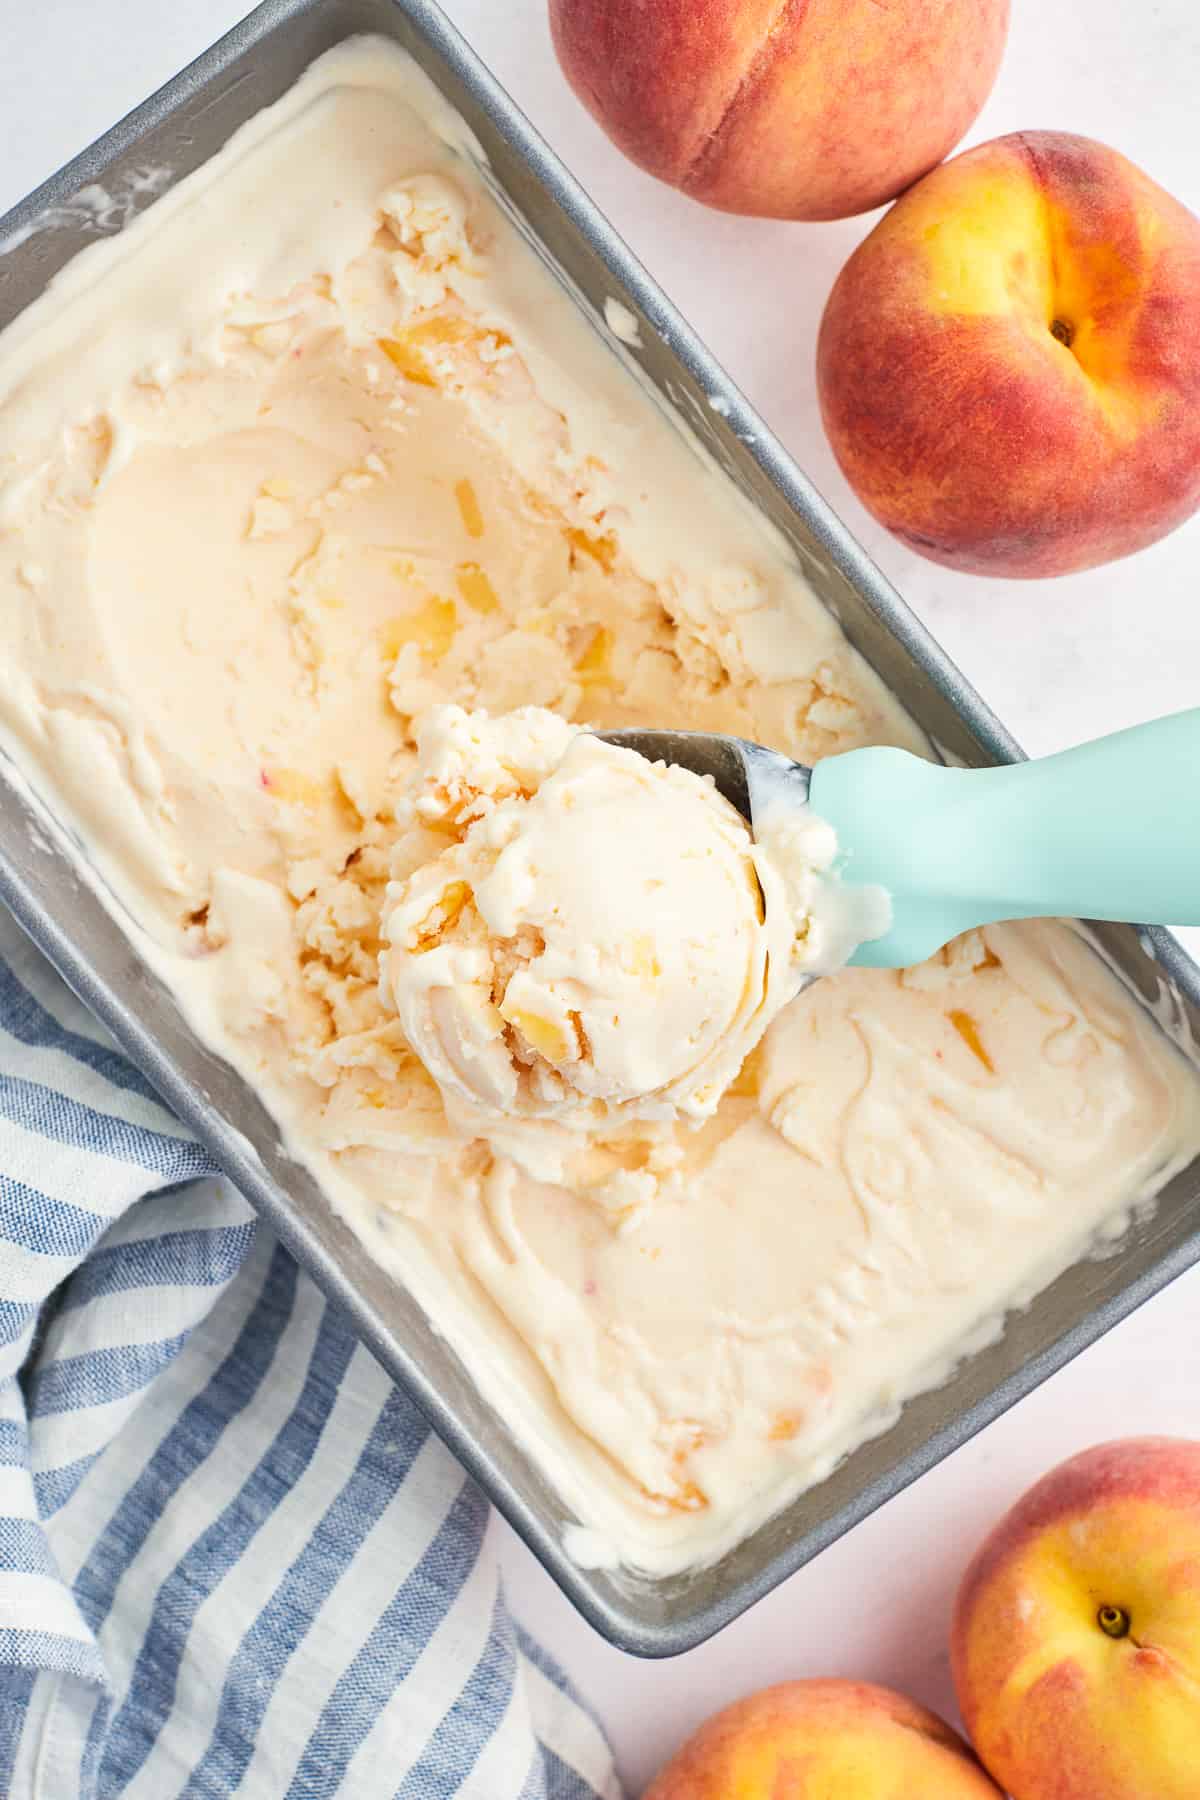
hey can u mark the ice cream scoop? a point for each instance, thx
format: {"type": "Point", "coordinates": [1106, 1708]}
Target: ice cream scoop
{"type": "Point", "coordinates": [1103, 831]}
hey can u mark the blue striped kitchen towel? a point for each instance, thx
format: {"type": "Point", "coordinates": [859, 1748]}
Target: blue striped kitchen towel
{"type": "Point", "coordinates": [233, 1559]}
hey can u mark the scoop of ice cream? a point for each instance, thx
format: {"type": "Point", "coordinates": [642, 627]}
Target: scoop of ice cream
{"type": "Point", "coordinates": [596, 935]}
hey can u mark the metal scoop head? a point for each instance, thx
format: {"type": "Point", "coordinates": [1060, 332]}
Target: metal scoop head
{"type": "Point", "coordinates": [748, 775]}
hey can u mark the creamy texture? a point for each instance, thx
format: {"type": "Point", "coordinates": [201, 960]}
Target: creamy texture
{"type": "Point", "coordinates": [601, 941]}
{"type": "Point", "coordinates": [318, 446]}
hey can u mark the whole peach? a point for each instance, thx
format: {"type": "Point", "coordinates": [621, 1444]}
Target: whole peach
{"type": "Point", "coordinates": [795, 109]}
{"type": "Point", "coordinates": [1077, 1630]}
{"type": "Point", "coordinates": [810, 1740]}
{"type": "Point", "coordinates": [1009, 365]}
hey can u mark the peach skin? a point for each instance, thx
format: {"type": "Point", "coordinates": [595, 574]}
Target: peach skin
{"type": "Point", "coordinates": [1076, 1641]}
{"type": "Point", "coordinates": [794, 109]}
{"type": "Point", "coordinates": [1009, 365]}
{"type": "Point", "coordinates": [811, 1740]}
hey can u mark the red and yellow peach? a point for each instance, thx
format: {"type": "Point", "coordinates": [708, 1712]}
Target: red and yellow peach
{"type": "Point", "coordinates": [1009, 365]}
{"type": "Point", "coordinates": [810, 1740]}
{"type": "Point", "coordinates": [796, 109]}
{"type": "Point", "coordinates": [1076, 1644]}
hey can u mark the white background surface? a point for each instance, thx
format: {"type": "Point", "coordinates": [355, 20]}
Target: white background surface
{"type": "Point", "coordinates": [1058, 661]}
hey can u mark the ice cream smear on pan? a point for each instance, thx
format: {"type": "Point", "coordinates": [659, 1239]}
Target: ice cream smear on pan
{"type": "Point", "coordinates": [302, 474]}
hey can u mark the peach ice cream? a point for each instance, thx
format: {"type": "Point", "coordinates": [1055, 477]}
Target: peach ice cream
{"type": "Point", "coordinates": [316, 449]}
{"type": "Point", "coordinates": [602, 941]}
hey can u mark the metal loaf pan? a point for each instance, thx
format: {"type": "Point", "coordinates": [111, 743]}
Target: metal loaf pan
{"type": "Point", "coordinates": [41, 881]}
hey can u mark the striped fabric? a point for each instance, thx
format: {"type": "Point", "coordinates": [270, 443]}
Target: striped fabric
{"type": "Point", "coordinates": [233, 1560]}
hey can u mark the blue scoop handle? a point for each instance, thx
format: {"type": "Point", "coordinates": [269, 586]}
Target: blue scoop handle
{"type": "Point", "coordinates": [1110, 830]}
